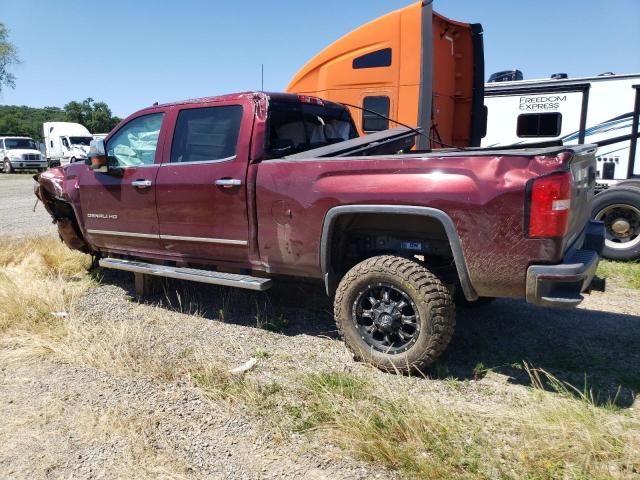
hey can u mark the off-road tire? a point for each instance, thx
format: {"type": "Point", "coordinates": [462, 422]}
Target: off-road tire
{"type": "Point", "coordinates": [432, 299]}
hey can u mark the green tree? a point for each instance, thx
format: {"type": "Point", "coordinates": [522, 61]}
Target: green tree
{"type": "Point", "coordinates": [96, 116]}
{"type": "Point", "coordinates": [75, 112]}
{"type": "Point", "coordinates": [8, 57]}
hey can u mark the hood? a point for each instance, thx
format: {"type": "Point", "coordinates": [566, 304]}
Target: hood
{"type": "Point", "coordinates": [14, 152]}
{"type": "Point", "coordinates": [79, 150]}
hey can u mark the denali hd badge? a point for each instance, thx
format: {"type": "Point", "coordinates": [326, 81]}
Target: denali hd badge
{"type": "Point", "coordinates": [106, 216]}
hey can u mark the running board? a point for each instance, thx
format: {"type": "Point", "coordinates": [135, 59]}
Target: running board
{"type": "Point", "coordinates": [203, 276]}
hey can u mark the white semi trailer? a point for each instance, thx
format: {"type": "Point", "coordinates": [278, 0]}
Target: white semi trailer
{"type": "Point", "coordinates": [602, 110]}
{"type": "Point", "coordinates": [66, 142]}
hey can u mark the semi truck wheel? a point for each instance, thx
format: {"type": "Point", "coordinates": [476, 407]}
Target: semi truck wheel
{"type": "Point", "coordinates": [6, 166]}
{"type": "Point", "coordinates": [619, 209]}
{"type": "Point", "coordinates": [394, 313]}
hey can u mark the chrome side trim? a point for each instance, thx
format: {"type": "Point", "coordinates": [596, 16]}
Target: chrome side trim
{"type": "Point", "coordinates": [222, 241]}
{"type": "Point", "coordinates": [123, 234]}
{"type": "Point", "coordinates": [203, 162]}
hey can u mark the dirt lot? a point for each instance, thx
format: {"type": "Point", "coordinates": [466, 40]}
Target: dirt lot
{"type": "Point", "coordinates": [95, 384]}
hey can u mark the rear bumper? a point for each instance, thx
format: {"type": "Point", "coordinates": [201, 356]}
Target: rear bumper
{"type": "Point", "coordinates": [562, 285]}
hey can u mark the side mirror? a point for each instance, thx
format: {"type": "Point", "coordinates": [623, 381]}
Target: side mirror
{"type": "Point", "coordinates": [97, 157]}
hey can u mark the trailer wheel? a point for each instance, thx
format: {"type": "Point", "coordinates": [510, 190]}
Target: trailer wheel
{"type": "Point", "coordinates": [619, 209]}
{"type": "Point", "coordinates": [394, 313]}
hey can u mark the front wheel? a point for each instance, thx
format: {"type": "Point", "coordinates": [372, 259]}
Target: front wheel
{"type": "Point", "coordinates": [619, 209]}
{"type": "Point", "coordinates": [6, 167]}
{"type": "Point", "coordinates": [394, 313]}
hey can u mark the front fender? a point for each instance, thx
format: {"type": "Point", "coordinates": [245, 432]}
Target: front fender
{"type": "Point", "coordinates": [49, 189]}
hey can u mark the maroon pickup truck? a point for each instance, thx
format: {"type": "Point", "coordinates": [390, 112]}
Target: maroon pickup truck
{"type": "Point", "coordinates": [240, 189]}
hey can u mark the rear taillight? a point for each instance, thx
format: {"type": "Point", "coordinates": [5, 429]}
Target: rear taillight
{"type": "Point", "coordinates": [550, 205]}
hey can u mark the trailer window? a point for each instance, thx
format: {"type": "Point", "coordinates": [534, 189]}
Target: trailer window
{"type": "Point", "coordinates": [539, 125]}
{"type": "Point", "coordinates": [206, 134]}
{"type": "Point", "coordinates": [372, 122]}
{"type": "Point", "coordinates": [379, 58]}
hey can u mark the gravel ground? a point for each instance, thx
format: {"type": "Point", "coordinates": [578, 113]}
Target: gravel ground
{"type": "Point", "coordinates": [71, 420]}
{"type": "Point", "coordinates": [16, 207]}
{"type": "Point", "coordinates": [66, 420]}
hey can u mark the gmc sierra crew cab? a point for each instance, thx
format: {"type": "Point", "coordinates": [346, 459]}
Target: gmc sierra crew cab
{"type": "Point", "coordinates": [242, 189]}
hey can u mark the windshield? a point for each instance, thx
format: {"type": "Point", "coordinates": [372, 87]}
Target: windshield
{"type": "Point", "coordinates": [80, 140]}
{"type": "Point", "coordinates": [19, 143]}
{"type": "Point", "coordinates": [296, 127]}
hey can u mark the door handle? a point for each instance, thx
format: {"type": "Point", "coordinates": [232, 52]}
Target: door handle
{"type": "Point", "coordinates": [141, 183]}
{"type": "Point", "coordinates": [228, 182]}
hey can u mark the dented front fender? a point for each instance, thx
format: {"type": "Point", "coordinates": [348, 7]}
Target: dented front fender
{"type": "Point", "coordinates": [49, 189]}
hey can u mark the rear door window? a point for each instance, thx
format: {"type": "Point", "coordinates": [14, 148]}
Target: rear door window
{"type": "Point", "coordinates": [206, 134]}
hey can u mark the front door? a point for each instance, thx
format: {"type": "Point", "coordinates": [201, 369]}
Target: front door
{"type": "Point", "coordinates": [201, 185]}
{"type": "Point", "coordinates": [119, 208]}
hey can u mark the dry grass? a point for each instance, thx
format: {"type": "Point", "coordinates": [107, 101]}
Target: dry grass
{"type": "Point", "coordinates": [626, 274]}
{"type": "Point", "coordinates": [559, 432]}
{"type": "Point", "coordinates": [39, 280]}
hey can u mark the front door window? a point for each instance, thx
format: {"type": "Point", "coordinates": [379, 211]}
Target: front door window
{"type": "Point", "coordinates": [135, 144]}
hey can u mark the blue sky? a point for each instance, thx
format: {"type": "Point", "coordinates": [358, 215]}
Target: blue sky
{"type": "Point", "coordinates": [131, 53]}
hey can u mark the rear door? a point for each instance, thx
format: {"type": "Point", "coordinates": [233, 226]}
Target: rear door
{"type": "Point", "coordinates": [201, 185]}
{"type": "Point", "coordinates": [120, 209]}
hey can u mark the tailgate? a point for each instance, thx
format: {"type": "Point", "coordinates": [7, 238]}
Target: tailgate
{"type": "Point", "coordinates": [583, 172]}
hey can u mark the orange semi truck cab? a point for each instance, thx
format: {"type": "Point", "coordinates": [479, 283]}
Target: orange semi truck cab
{"type": "Point", "coordinates": [412, 65]}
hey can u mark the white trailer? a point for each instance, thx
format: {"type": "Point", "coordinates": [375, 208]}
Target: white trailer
{"type": "Point", "coordinates": [66, 142]}
{"type": "Point", "coordinates": [602, 110]}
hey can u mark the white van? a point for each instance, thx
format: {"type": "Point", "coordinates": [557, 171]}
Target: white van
{"type": "Point", "coordinates": [20, 153]}
{"type": "Point", "coordinates": [66, 142]}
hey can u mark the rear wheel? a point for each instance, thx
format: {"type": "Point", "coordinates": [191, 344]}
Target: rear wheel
{"type": "Point", "coordinates": [619, 209]}
{"type": "Point", "coordinates": [394, 313]}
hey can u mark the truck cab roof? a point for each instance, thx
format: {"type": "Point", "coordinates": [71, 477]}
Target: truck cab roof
{"type": "Point", "coordinates": [277, 96]}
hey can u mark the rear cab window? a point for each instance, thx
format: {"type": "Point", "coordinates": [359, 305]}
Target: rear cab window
{"type": "Point", "coordinates": [295, 127]}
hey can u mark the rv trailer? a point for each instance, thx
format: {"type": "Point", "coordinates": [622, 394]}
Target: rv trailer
{"type": "Point", "coordinates": [601, 110]}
